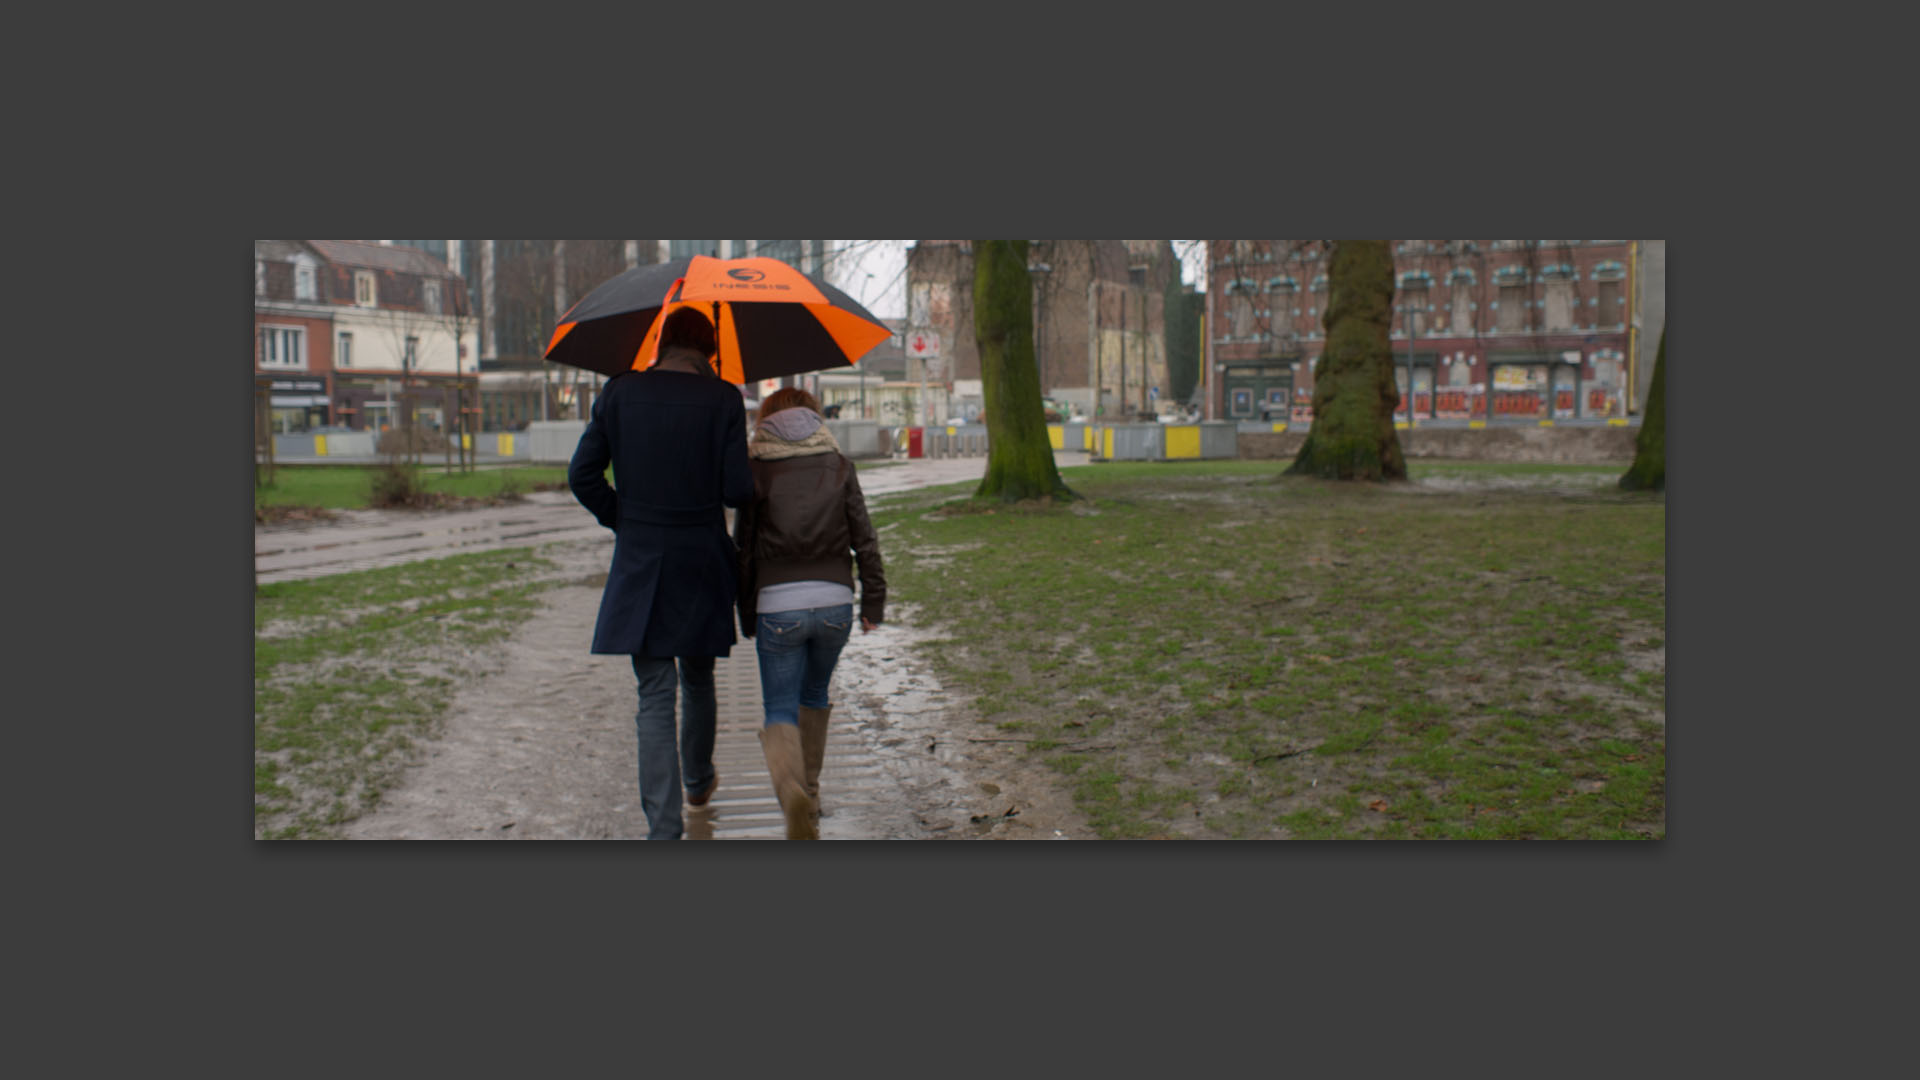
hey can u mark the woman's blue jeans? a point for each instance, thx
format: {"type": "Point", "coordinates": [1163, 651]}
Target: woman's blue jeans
{"type": "Point", "coordinates": [662, 769]}
{"type": "Point", "coordinates": [798, 650]}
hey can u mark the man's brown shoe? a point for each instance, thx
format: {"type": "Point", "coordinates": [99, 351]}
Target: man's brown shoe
{"type": "Point", "coordinates": [699, 798]}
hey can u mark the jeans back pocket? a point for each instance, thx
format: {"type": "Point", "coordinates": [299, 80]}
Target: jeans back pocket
{"type": "Point", "coordinates": [783, 625]}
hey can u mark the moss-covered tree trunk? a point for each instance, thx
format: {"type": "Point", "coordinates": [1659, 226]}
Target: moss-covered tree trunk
{"type": "Point", "coordinates": [1019, 455]}
{"type": "Point", "coordinates": [1182, 326]}
{"type": "Point", "coordinates": [1353, 389]}
{"type": "Point", "coordinates": [1649, 471]}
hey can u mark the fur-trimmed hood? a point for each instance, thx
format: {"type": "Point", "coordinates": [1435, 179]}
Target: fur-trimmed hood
{"type": "Point", "coordinates": [789, 433]}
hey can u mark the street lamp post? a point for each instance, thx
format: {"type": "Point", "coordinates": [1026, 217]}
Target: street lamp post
{"type": "Point", "coordinates": [407, 404]}
{"type": "Point", "coordinates": [1409, 362]}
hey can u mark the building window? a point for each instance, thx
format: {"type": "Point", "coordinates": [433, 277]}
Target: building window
{"type": "Point", "coordinates": [682, 249]}
{"type": "Point", "coordinates": [303, 282]}
{"type": "Point", "coordinates": [1461, 321]}
{"type": "Point", "coordinates": [283, 347]}
{"type": "Point", "coordinates": [430, 297]}
{"type": "Point", "coordinates": [363, 288]}
{"type": "Point", "coordinates": [1414, 295]}
{"type": "Point", "coordinates": [412, 357]}
{"type": "Point", "coordinates": [1559, 301]}
{"type": "Point", "coordinates": [1513, 306]}
{"type": "Point", "coordinates": [1611, 311]}
{"type": "Point", "coordinates": [1240, 310]}
{"type": "Point", "coordinates": [343, 353]}
{"type": "Point", "coordinates": [1280, 309]}
{"type": "Point", "coordinates": [259, 278]}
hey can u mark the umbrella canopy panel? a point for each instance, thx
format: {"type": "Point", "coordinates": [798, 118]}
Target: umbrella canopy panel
{"type": "Point", "coordinates": [607, 346]}
{"type": "Point", "coordinates": [767, 341]}
{"type": "Point", "coordinates": [633, 290]}
{"type": "Point", "coordinates": [758, 280]}
{"type": "Point", "coordinates": [762, 334]}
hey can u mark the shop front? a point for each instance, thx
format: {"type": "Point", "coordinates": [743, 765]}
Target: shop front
{"type": "Point", "coordinates": [383, 404]}
{"type": "Point", "coordinates": [1538, 385]}
{"type": "Point", "coordinates": [511, 404]}
{"type": "Point", "coordinates": [1605, 393]}
{"type": "Point", "coordinates": [1425, 404]}
{"type": "Point", "coordinates": [298, 403]}
{"type": "Point", "coordinates": [1260, 390]}
{"type": "Point", "coordinates": [368, 403]}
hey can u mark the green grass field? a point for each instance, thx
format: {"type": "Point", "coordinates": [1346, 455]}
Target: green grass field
{"type": "Point", "coordinates": [1215, 650]}
{"type": "Point", "coordinates": [348, 487]}
{"type": "Point", "coordinates": [349, 670]}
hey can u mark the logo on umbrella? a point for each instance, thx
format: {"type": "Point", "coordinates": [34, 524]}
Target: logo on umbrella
{"type": "Point", "coordinates": [744, 274]}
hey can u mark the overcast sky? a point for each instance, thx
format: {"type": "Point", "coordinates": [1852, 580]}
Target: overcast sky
{"type": "Point", "coordinates": [874, 272]}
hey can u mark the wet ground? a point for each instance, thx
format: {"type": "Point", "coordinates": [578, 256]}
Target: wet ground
{"type": "Point", "coordinates": [543, 745]}
{"type": "Point", "coordinates": [368, 539]}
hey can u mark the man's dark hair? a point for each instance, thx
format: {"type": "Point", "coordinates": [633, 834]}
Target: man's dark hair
{"type": "Point", "coordinates": [689, 329]}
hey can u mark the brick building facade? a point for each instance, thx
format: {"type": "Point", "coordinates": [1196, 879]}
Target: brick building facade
{"type": "Point", "coordinates": [1119, 283]}
{"type": "Point", "coordinates": [292, 335]}
{"type": "Point", "coordinates": [1492, 330]}
{"type": "Point", "coordinates": [518, 288]}
{"type": "Point", "coordinates": [350, 333]}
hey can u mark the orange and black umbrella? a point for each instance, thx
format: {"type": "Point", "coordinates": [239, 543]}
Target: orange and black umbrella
{"type": "Point", "coordinates": [771, 319]}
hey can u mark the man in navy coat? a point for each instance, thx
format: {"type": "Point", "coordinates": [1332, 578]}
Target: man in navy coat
{"type": "Point", "coordinates": [676, 435]}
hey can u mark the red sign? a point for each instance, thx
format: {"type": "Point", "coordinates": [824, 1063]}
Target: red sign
{"type": "Point", "coordinates": [922, 344]}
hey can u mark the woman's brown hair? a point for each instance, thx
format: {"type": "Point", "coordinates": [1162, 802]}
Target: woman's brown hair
{"type": "Point", "coordinates": [788, 397]}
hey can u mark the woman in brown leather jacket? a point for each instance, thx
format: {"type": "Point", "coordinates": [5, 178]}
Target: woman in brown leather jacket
{"type": "Point", "coordinates": [799, 539]}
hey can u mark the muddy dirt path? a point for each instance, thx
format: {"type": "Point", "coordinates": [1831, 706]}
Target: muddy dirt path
{"type": "Point", "coordinates": [368, 539]}
{"type": "Point", "coordinates": [542, 747]}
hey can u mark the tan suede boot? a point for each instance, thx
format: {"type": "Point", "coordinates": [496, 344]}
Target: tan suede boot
{"type": "Point", "coordinates": [813, 749]}
{"type": "Point", "coordinates": [781, 745]}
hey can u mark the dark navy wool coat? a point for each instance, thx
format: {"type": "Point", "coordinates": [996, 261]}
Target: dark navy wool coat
{"type": "Point", "coordinates": [678, 446]}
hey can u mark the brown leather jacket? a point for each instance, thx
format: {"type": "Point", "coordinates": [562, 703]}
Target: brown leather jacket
{"type": "Point", "coordinates": [807, 521]}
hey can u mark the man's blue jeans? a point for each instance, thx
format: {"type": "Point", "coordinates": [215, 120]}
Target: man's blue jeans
{"type": "Point", "coordinates": [798, 650]}
{"type": "Point", "coordinates": [662, 769]}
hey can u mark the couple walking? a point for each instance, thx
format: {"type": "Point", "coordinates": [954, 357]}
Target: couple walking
{"type": "Point", "coordinates": [675, 435]}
